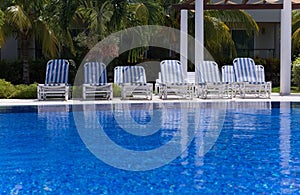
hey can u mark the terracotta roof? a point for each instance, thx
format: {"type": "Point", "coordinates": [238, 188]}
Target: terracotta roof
{"type": "Point", "coordinates": [238, 4]}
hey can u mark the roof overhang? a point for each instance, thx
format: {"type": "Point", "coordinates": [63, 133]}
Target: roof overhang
{"type": "Point", "coordinates": [237, 4]}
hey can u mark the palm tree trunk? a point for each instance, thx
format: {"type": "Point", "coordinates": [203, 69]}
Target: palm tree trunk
{"type": "Point", "coordinates": [24, 56]}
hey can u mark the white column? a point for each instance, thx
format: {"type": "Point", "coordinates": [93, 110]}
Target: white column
{"type": "Point", "coordinates": [199, 31]}
{"type": "Point", "coordinates": [184, 41]}
{"type": "Point", "coordinates": [285, 48]}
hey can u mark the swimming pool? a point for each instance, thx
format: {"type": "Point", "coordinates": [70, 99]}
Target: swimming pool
{"type": "Point", "coordinates": [256, 150]}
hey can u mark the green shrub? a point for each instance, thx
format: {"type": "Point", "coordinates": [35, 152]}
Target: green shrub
{"type": "Point", "coordinates": [296, 72]}
{"type": "Point", "coordinates": [116, 90]}
{"type": "Point", "coordinates": [76, 92]}
{"type": "Point", "coordinates": [25, 91]}
{"type": "Point", "coordinates": [6, 89]}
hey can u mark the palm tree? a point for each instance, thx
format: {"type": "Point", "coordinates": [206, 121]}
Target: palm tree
{"type": "Point", "coordinates": [296, 32]}
{"type": "Point", "coordinates": [27, 21]}
{"type": "Point", "coordinates": [2, 37]}
{"type": "Point", "coordinates": [217, 25]}
{"type": "Point", "coordinates": [105, 17]}
{"type": "Point", "coordinates": [61, 16]}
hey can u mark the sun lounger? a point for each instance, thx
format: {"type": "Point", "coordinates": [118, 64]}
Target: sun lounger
{"type": "Point", "coordinates": [95, 81]}
{"type": "Point", "coordinates": [56, 82]}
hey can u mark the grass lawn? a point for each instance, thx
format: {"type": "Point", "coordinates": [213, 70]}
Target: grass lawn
{"type": "Point", "coordinates": [293, 89]}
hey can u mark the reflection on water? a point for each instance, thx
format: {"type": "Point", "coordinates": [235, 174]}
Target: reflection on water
{"type": "Point", "coordinates": [228, 147]}
{"type": "Point", "coordinates": [290, 183]}
{"type": "Point", "coordinates": [57, 117]}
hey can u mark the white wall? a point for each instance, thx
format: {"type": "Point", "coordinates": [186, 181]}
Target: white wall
{"type": "Point", "coordinates": [269, 15]}
{"type": "Point", "coordinates": [267, 41]}
{"type": "Point", "coordinates": [10, 50]}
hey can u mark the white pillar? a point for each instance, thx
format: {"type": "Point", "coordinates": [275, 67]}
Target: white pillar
{"type": "Point", "coordinates": [285, 48]}
{"type": "Point", "coordinates": [184, 41]}
{"type": "Point", "coordinates": [199, 31]}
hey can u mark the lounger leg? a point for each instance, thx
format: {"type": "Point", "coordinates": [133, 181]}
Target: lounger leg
{"type": "Point", "coordinates": [111, 93]}
{"type": "Point", "coordinates": [84, 92]}
{"type": "Point", "coordinates": [38, 93]}
{"type": "Point", "coordinates": [66, 93]}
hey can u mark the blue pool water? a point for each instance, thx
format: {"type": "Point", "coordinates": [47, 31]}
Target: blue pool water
{"type": "Point", "coordinates": [257, 149]}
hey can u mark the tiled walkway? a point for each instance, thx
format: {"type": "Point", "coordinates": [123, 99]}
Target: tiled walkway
{"type": "Point", "coordinates": [8, 102]}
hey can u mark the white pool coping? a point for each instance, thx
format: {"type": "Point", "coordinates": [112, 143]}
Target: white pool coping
{"type": "Point", "coordinates": [275, 97]}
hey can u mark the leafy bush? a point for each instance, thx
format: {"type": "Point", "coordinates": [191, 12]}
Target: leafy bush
{"type": "Point", "coordinates": [6, 89]}
{"type": "Point", "coordinates": [116, 90]}
{"type": "Point", "coordinates": [296, 72]}
{"type": "Point", "coordinates": [76, 92]}
{"type": "Point", "coordinates": [25, 91]}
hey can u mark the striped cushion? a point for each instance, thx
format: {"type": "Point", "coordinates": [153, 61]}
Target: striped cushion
{"type": "Point", "coordinates": [57, 71]}
{"type": "Point", "coordinates": [171, 72]}
{"type": "Point", "coordinates": [228, 75]}
{"type": "Point", "coordinates": [245, 70]}
{"type": "Point", "coordinates": [209, 72]}
{"type": "Point", "coordinates": [95, 73]}
{"type": "Point", "coordinates": [118, 75]}
{"type": "Point", "coordinates": [260, 73]}
{"type": "Point", "coordinates": [134, 74]}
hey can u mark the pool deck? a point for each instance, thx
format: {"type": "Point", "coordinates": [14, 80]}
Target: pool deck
{"type": "Point", "coordinates": [275, 97]}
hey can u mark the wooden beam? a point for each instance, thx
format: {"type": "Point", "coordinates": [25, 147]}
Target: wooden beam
{"type": "Point", "coordinates": [189, 1]}
{"type": "Point", "coordinates": [243, 6]}
{"type": "Point", "coordinates": [296, 6]}
{"type": "Point", "coordinates": [206, 1]}
{"type": "Point", "coordinates": [245, 1]}
{"type": "Point", "coordinates": [232, 6]}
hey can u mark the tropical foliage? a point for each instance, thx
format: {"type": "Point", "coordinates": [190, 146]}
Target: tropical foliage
{"type": "Point", "coordinates": [105, 17]}
{"type": "Point", "coordinates": [296, 31]}
{"type": "Point", "coordinates": [296, 72]}
{"type": "Point", "coordinates": [217, 25]}
{"type": "Point", "coordinates": [72, 27]}
{"type": "Point", "coordinates": [27, 20]}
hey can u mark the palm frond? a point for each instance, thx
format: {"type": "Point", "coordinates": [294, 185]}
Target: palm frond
{"type": "Point", "coordinates": [15, 15]}
{"type": "Point", "coordinates": [296, 39]}
{"type": "Point", "coordinates": [46, 36]}
{"type": "Point", "coordinates": [235, 19]}
{"type": "Point", "coordinates": [217, 34]}
{"type": "Point", "coordinates": [295, 20]}
{"type": "Point", "coordinates": [2, 35]}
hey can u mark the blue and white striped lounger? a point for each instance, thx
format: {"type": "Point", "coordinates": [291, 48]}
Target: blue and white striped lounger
{"type": "Point", "coordinates": [133, 82]}
{"type": "Point", "coordinates": [56, 82]}
{"type": "Point", "coordinates": [247, 78]}
{"type": "Point", "coordinates": [95, 81]}
{"type": "Point", "coordinates": [228, 77]}
{"type": "Point", "coordinates": [267, 86]}
{"type": "Point", "coordinates": [172, 80]}
{"type": "Point", "coordinates": [209, 79]}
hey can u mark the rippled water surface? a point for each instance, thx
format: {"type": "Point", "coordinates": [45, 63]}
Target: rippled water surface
{"type": "Point", "coordinates": [240, 148]}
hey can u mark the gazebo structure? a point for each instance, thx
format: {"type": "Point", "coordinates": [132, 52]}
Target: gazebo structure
{"type": "Point", "coordinates": [199, 6]}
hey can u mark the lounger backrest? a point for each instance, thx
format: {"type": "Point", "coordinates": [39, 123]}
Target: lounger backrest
{"type": "Point", "coordinates": [260, 73]}
{"type": "Point", "coordinates": [57, 71]}
{"type": "Point", "coordinates": [191, 77]}
{"type": "Point", "coordinates": [95, 73]}
{"type": "Point", "coordinates": [244, 69]}
{"type": "Point", "coordinates": [134, 74]}
{"type": "Point", "coordinates": [171, 72]}
{"type": "Point", "coordinates": [209, 72]}
{"type": "Point", "coordinates": [228, 75]}
{"type": "Point", "coordinates": [118, 74]}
